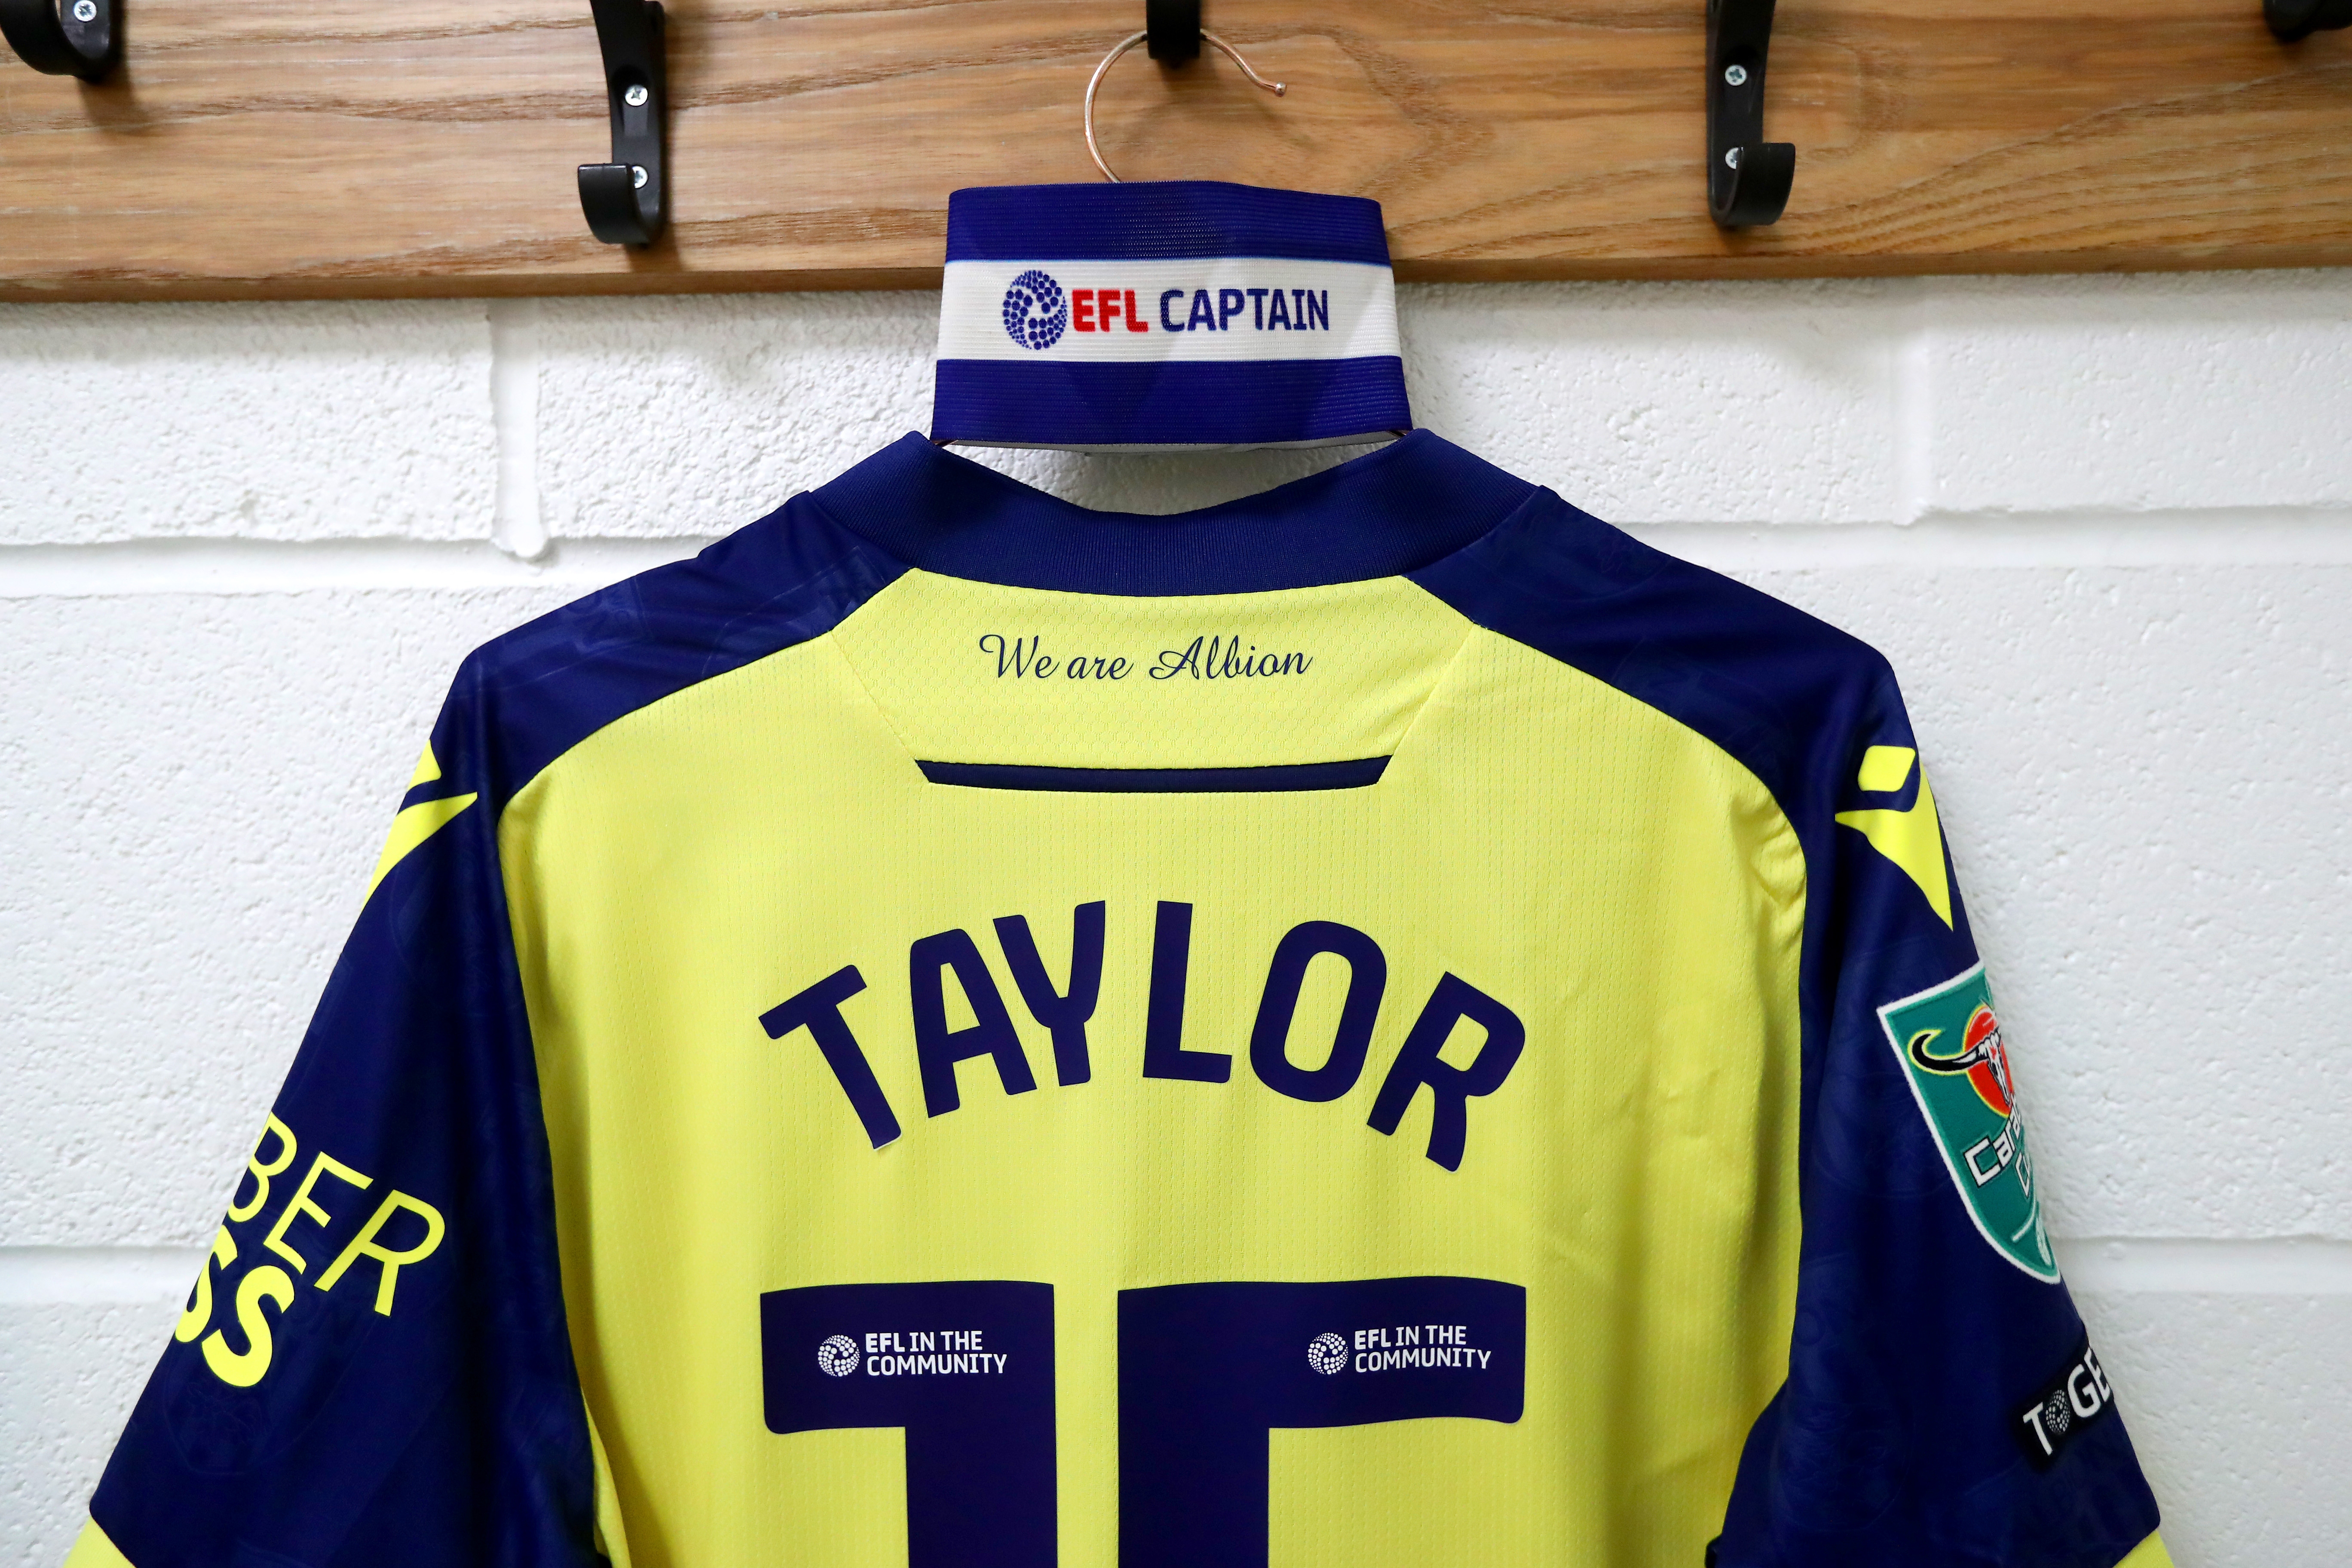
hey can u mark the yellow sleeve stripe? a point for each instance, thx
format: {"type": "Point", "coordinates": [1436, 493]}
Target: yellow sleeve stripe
{"type": "Point", "coordinates": [413, 827]}
{"type": "Point", "coordinates": [1913, 839]}
{"type": "Point", "coordinates": [91, 1549]}
{"type": "Point", "coordinates": [2148, 1553]}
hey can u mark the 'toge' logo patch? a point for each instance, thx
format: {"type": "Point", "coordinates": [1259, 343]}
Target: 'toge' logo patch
{"type": "Point", "coordinates": [2073, 1402]}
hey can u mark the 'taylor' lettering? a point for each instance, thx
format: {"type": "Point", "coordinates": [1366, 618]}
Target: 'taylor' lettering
{"type": "Point", "coordinates": [1065, 1015]}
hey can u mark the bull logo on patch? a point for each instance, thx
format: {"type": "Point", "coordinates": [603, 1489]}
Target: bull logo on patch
{"type": "Point", "coordinates": [1948, 1040]}
{"type": "Point", "coordinates": [1982, 1058]}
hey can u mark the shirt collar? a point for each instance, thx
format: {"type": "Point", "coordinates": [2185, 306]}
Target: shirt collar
{"type": "Point", "coordinates": [1390, 512]}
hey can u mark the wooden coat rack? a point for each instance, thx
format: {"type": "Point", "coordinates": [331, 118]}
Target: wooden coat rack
{"type": "Point", "coordinates": [293, 148]}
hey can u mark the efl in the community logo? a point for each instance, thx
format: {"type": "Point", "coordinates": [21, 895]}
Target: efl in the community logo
{"type": "Point", "coordinates": [1035, 311]}
{"type": "Point", "coordinates": [1398, 1347]}
{"type": "Point", "coordinates": [1950, 1043]}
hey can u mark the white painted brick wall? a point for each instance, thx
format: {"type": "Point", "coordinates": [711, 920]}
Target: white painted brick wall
{"type": "Point", "coordinates": [2166, 393]}
{"type": "Point", "coordinates": [282, 422]}
{"type": "Point", "coordinates": [189, 782]}
{"type": "Point", "coordinates": [2104, 528]}
{"type": "Point", "coordinates": [2146, 780]}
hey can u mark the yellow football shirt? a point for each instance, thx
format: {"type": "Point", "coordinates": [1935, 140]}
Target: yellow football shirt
{"type": "Point", "coordinates": [1380, 1023]}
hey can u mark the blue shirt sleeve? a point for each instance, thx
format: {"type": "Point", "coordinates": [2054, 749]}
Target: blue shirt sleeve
{"type": "Point", "coordinates": [373, 1367]}
{"type": "Point", "coordinates": [1942, 1403]}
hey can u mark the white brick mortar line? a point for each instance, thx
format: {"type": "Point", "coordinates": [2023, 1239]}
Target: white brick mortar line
{"type": "Point", "coordinates": [1915, 413]}
{"type": "Point", "coordinates": [2249, 536]}
{"type": "Point", "coordinates": [519, 526]}
{"type": "Point", "coordinates": [2284, 1266]}
{"type": "Point", "coordinates": [35, 1276]}
{"type": "Point", "coordinates": [262, 566]}
{"type": "Point", "coordinates": [2244, 537]}
{"type": "Point", "coordinates": [2268, 1266]}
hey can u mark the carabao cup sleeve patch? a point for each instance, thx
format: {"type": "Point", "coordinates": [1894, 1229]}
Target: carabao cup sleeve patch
{"type": "Point", "coordinates": [1948, 1041]}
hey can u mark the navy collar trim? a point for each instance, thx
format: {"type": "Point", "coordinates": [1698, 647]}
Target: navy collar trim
{"type": "Point", "coordinates": [1392, 511]}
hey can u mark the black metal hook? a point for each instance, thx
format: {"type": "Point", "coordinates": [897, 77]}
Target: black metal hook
{"type": "Point", "coordinates": [624, 200]}
{"type": "Point", "coordinates": [64, 38]}
{"type": "Point", "coordinates": [2293, 20]}
{"type": "Point", "coordinates": [1748, 178]}
{"type": "Point", "coordinates": [1172, 31]}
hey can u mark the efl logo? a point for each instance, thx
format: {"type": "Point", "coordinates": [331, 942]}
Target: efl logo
{"type": "Point", "coordinates": [1039, 311]}
{"type": "Point", "coordinates": [1035, 310]}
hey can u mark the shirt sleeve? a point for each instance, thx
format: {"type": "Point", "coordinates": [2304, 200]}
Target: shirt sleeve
{"type": "Point", "coordinates": [1942, 1403]}
{"type": "Point", "coordinates": [372, 1367]}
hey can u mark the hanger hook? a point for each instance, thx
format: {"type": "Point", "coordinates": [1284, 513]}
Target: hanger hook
{"type": "Point", "coordinates": [1110, 59]}
{"type": "Point", "coordinates": [1748, 178]}
{"type": "Point", "coordinates": [627, 200]}
{"type": "Point", "coordinates": [64, 38]}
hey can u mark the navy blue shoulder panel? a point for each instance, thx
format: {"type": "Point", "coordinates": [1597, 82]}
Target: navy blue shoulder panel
{"type": "Point", "coordinates": [1774, 687]}
{"type": "Point", "coordinates": [534, 693]}
{"type": "Point", "coordinates": [375, 1370]}
{"type": "Point", "coordinates": [1895, 1441]}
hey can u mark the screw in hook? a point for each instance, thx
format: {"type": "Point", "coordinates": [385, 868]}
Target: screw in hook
{"type": "Point", "coordinates": [1731, 157]}
{"type": "Point", "coordinates": [635, 97]}
{"type": "Point", "coordinates": [1735, 76]}
{"type": "Point", "coordinates": [85, 10]}
{"type": "Point", "coordinates": [638, 175]}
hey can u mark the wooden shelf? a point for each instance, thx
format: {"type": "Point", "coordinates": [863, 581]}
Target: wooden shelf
{"type": "Point", "coordinates": [306, 148]}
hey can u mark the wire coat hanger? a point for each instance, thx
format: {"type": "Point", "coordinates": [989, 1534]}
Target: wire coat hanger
{"type": "Point", "coordinates": [1094, 149]}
